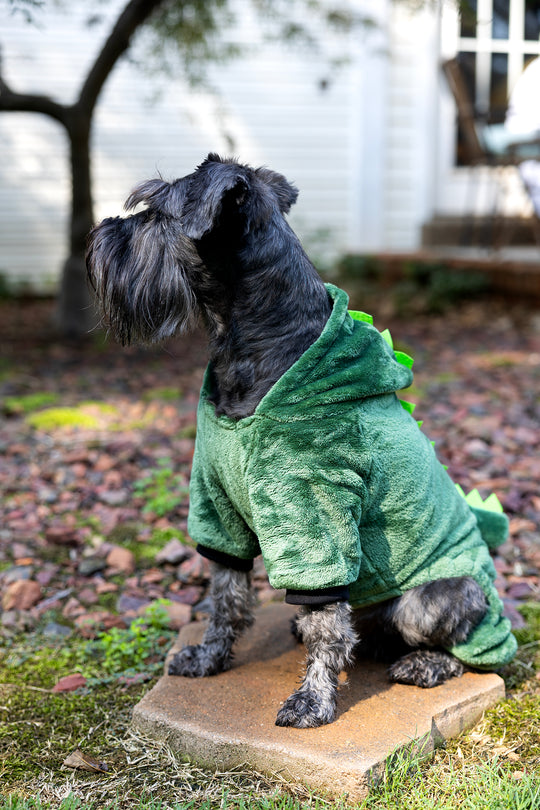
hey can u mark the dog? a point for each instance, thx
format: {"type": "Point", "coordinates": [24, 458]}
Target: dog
{"type": "Point", "coordinates": [215, 247]}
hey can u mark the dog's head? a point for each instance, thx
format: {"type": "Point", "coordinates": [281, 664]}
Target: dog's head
{"type": "Point", "coordinates": [147, 267]}
{"type": "Point", "coordinates": [140, 266]}
{"type": "Point", "coordinates": [236, 198]}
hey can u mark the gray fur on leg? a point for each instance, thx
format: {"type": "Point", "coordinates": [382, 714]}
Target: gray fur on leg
{"type": "Point", "coordinates": [232, 613]}
{"type": "Point", "coordinates": [329, 637]}
{"type": "Point", "coordinates": [425, 668]}
{"type": "Point", "coordinates": [439, 614]}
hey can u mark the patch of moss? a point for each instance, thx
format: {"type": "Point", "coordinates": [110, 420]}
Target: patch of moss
{"type": "Point", "coordinates": [51, 553]}
{"type": "Point", "coordinates": [161, 488]}
{"type": "Point", "coordinates": [160, 537]}
{"type": "Point", "coordinates": [144, 552]}
{"type": "Point", "coordinates": [188, 432]}
{"type": "Point", "coordinates": [53, 418]}
{"type": "Point", "coordinates": [165, 394]}
{"type": "Point", "coordinates": [16, 406]}
{"type": "Point", "coordinates": [515, 723]}
{"type": "Point", "coordinates": [123, 534]}
{"type": "Point", "coordinates": [531, 632]}
{"type": "Point", "coordinates": [6, 369]}
{"type": "Point", "coordinates": [127, 535]}
{"type": "Point", "coordinates": [107, 601]}
{"type": "Point", "coordinates": [40, 728]}
{"type": "Point", "coordinates": [527, 660]}
{"type": "Point", "coordinates": [89, 415]}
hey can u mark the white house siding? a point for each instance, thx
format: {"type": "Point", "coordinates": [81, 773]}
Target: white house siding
{"type": "Point", "coordinates": [411, 124]}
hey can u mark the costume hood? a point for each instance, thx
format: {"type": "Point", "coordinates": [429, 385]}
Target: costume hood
{"type": "Point", "coordinates": [351, 360]}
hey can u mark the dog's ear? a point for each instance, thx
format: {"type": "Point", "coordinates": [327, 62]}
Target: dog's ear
{"type": "Point", "coordinates": [286, 193]}
{"type": "Point", "coordinates": [167, 198]}
{"type": "Point", "coordinates": [215, 187]}
{"type": "Point", "coordinates": [221, 188]}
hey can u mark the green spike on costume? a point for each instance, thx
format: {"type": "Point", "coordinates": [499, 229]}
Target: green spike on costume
{"type": "Point", "coordinates": [493, 524]}
{"type": "Point", "coordinates": [333, 482]}
{"type": "Point", "coordinates": [356, 315]}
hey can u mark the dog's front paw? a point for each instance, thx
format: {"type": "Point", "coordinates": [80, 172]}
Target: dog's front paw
{"type": "Point", "coordinates": [306, 709]}
{"type": "Point", "coordinates": [197, 661]}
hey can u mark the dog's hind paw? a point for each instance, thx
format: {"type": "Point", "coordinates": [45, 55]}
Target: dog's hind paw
{"type": "Point", "coordinates": [425, 668]}
{"type": "Point", "coordinates": [306, 709]}
{"type": "Point", "coordinates": [197, 661]}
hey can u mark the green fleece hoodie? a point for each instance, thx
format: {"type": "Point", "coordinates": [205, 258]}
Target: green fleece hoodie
{"type": "Point", "coordinates": [333, 482]}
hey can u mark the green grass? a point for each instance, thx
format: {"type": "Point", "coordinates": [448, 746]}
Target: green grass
{"type": "Point", "coordinates": [161, 489]}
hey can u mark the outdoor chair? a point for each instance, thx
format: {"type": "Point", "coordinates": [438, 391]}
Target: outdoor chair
{"type": "Point", "coordinates": [490, 145]}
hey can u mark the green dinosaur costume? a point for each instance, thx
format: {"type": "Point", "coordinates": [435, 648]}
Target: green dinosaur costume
{"type": "Point", "coordinates": [333, 482]}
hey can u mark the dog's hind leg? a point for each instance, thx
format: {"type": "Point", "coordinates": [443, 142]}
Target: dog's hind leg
{"type": "Point", "coordinates": [439, 614]}
{"type": "Point", "coordinates": [425, 668]}
{"type": "Point", "coordinates": [232, 613]}
{"type": "Point", "coordinates": [329, 637]}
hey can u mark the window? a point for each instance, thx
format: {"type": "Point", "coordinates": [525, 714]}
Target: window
{"type": "Point", "coordinates": [497, 39]}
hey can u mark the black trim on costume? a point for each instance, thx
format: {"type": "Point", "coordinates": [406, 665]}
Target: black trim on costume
{"type": "Point", "coordinates": [228, 560]}
{"type": "Point", "coordinates": [319, 596]}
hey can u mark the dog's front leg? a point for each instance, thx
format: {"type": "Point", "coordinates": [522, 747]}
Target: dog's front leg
{"type": "Point", "coordinates": [329, 637]}
{"type": "Point", "coordinates": [232, 613]}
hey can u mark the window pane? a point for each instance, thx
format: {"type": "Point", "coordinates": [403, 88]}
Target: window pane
{"type": "Point", "coordinates": [467, 63]}
{"type": "Point", "coordinates": [532, 19]}
{"type": "Point", "coordinates": [498, 97]}
{"type": "Point", "coordinates": [468, 18]}
{"type": "Point", "coordinates": [500, 23]}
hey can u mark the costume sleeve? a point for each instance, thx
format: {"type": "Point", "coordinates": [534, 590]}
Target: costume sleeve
{"type": "Point", "coordinates": [306, 495]}
{"type": "Point", "coordinates": [221, 533]}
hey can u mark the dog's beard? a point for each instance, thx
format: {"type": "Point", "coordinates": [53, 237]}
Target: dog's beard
{"type": "Point", "coordinates": [138, 269]}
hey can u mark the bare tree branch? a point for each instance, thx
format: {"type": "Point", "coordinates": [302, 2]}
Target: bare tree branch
{"type": "Point", "coordinates": [134, 14]}
{"type": "Point", "coordinates": [31, 102]}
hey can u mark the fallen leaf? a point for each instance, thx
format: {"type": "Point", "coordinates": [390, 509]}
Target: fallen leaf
{"type": "Point", "coordinates": [70, 683]}
{"type": "Point", "coordinates": [85, 762]}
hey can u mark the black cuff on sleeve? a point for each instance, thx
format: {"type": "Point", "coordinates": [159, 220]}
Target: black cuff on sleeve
{"type": "Point", "coordinates": [228, 560]}
{"type": "Point", "coordinates": [320, 596]}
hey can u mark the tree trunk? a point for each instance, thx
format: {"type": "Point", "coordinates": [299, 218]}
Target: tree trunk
{"type": "Point", "coordinates": [76, 310]}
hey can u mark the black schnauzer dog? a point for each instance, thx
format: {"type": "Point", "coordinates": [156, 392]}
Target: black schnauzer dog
{"type": "Point", "coordinates": [215, 247]}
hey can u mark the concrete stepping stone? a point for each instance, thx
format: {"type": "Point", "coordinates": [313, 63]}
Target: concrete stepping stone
{"type": "Point", "coordinates": [228, 720]}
